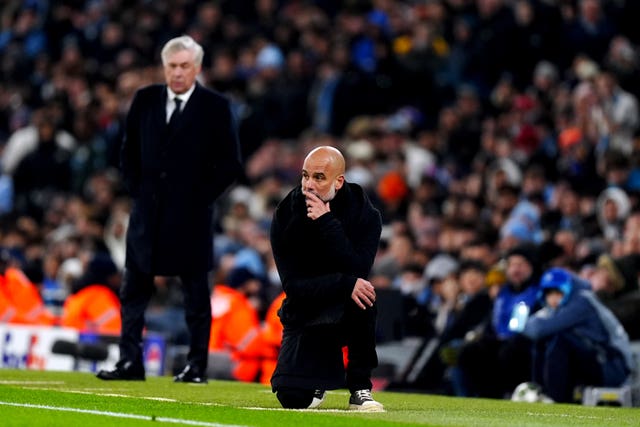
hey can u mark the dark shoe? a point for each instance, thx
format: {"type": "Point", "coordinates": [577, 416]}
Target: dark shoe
{"type": "Point", "coordinates": [361, 400]}
{"type": "Point", "coordinates": [125, 371]}
{"type": "Point", "coordinates": [190, 375]}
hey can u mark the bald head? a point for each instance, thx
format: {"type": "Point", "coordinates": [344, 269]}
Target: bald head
{"type": "Point", "coordinates": [323, 172]}
{"type": "Point", "coordinates": [328, 154]}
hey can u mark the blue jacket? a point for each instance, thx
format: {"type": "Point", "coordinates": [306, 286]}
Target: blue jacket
{"type": "Point", "coordinates": [503, 306]}
{"type": "Point", "coordinates": [584, 315]}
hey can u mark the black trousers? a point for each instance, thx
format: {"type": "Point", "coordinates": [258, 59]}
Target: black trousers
{"type": "Point", "coordinates": [356, 331]}
{"type": "Point", "coordinates": [493, 368]}
{"type": "Point", "coordinates": [135, 295]}
{"type": "Point", "coordinates": [360, 339]}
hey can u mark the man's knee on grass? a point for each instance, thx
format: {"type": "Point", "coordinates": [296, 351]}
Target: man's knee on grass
{"type": "Point", "coordinates": [294, 398]}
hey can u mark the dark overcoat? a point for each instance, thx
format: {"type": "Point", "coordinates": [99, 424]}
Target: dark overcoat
{"type": "Point", "coordinates": [319, 262]}
{"type": "Point", "coordinates": [175, 177]}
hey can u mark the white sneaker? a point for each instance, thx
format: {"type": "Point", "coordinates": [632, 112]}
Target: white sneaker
{"type": "Point", "coordinates": [543, 398]}
{"type": "Point", "coordinates": [318, 398]}
{"type": "Point", "coordinates": [361, 400]}
{"type": "Point", "coordinates": [530, 392]}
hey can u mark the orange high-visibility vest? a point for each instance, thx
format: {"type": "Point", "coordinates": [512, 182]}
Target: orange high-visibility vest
{"type": "Point", "coordinates": [95, 308]}
{"type": "Point", "coordinates": [265, 345]}
{"type": "Point", "coordinates": [272, 339]}
{"type": "Point", "coordinates": [25, 298]}
{"type": "Point", "coordinates": [8, 312]}
{"type": "Point", "coordinates": [234, 324]}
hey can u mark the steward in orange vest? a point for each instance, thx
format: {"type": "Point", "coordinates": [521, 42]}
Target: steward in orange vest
{"type": "Point", "coordinates": [266, 344]}
{"type": "Point", "coordinates": [21, 301]}
{"type": "Point", "coordinates": [235, 322]}
{"type": "Point", "coordinates": [94, 305]}
{"type": "Point", "coordinates": [8, 312]}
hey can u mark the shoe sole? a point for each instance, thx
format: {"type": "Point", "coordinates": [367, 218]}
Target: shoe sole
{"type": "Point", "coordinates": [315, 403]}
{"type": "Point", "coordinates": [366, 408]}
{"type": "Point", "coordinates": [107, 378]}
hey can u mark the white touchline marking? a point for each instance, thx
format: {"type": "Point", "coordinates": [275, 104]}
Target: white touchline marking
{"type": "Point", "coordinates": [121, 415]}
{"type": "Point", "coordinates": [592, 417]}
{"type": "Point", "coordinates": [162, 399]}
{"type": "Point", "coordinates": [308, 411]}
{"type": "Point", "coordinates": [159, 399]}
{"type": "Point", "coordinates": [14, 382]}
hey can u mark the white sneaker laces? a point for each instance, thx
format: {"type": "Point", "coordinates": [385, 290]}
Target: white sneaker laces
{"type": "Point", "coordinates": [363, 395]}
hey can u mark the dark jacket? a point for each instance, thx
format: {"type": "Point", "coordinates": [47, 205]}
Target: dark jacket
{"type": "Point", "coordinates": [319, 262]}
{"type": "Point", "coordinates": [175, 179]}
{"type": "Point", "coordinates": [475, 311]}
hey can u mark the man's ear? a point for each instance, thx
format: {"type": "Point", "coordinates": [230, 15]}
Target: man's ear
{"type": "Point", "coordinates": [339, 182]}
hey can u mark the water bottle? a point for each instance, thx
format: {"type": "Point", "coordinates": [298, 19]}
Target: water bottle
{"type": "Point", "coordinates": [519, 317]}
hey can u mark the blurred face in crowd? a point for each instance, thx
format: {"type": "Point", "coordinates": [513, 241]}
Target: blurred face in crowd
{"type": "Point", "coordinates": [553, 297]}
{"type": "Point", "coordinates": [601, 281]}
{"type": "Point", "coordinates": [569, 203]}
{"type": "Point", "coordinates": [323, 173]}
{"type": "Point", "coordinates": [180, 71]}
{"type": "Point", "coordinates": [471, 281]}
{"type": "Point", "coordinates": [567, 240]}
{"type": "Point", "coordinates": [631, 237]}
{"type": "Point", "coordinates": [46, 131]}
{"type": "Point", "coordinates": [411, 282]}
{"type": "Point", "coordinates": [478, 252]}
{"type": "Point", "coordinates": [449, 289]}
{"type": "Point", "coordinates": [610, 211]}
{"type": "Point", "coordinates": [518, 270]}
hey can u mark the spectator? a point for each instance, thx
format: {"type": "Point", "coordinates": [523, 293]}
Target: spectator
{"type": "Point", "coordinates": [612, 208]}
{"type": "Point", "coordinates": [591, 31]}
{"type": "Point", "coordinates": [265, 345]}
{"type": "Point", "coordinates": [93, 305]}
{"type": "Point", "coordinates": [234, 323]}
{"type": "Point", "coordinates": [622, 60]}
{"type": "Point", "coordinates": [577, 341]}
{"type": "Point", "coordinates": [22, 301]}
{"type": "Point", "coordinates": [43, 172]}
{"type": "Point", "coordinates": [471, 311]}
{"type": "Point", "coordinates": [416, 295]}
{"type": "Point", "coordinates": [620, 109]}
{"type": "Point", "coordinates": [499, 359]}
{"type": "Point", "coordinates": [45, 125]}
{"type": "Point", "coordinates": [615, 282]}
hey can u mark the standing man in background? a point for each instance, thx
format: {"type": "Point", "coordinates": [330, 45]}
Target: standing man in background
{"type": "Point", "coordinates": [180, 152]}
{"type": "Point", "coordinates": [325, 235]}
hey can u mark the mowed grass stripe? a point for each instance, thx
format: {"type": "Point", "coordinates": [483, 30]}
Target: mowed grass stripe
{"type": "Point", "coordinates": [234, 403]}
{"type": "Point", "coordinates": [119, 415]}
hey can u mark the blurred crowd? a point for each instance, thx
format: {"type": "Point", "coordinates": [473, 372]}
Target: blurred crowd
{"type": "Point", "coordinates": [476, 126]}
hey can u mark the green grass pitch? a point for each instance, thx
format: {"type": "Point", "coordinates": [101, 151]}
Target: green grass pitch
{"type": "Point", "coordinates": [37, 398]}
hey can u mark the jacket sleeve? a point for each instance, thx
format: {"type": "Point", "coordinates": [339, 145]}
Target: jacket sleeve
{"type": "Point", "coordinates": [546, 322]}
{"type": "Point", "coordinates": [355, 255]}
{"type": "Point", "coordinates": [320, 288]}
{"type": "Point", "coordinates": [130, 150]}
{"type": "Point", "coordinates": [227, 163]}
